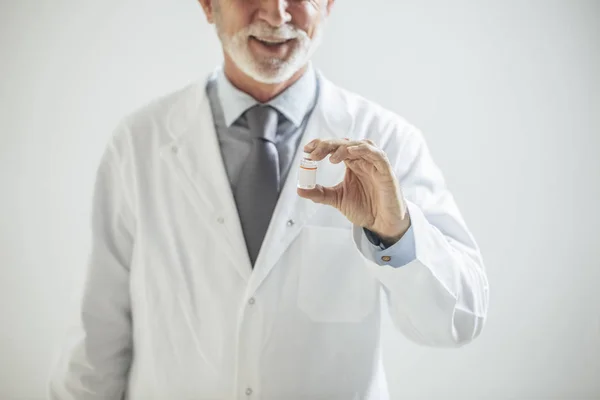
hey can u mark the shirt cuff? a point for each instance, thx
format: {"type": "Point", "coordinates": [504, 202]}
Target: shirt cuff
{"type": "Point", "coordinates": [398, 255]}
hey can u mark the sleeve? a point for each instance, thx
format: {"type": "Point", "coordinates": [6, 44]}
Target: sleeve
{"type": "Point", "coordinates": [440, 298]}
{"type": "Point", "coordinates": [96, 361]}
{"type": "Point", "coordinates": [397, 255]}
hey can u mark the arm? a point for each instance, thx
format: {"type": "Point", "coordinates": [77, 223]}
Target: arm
{"type": "Point", "coordinates": [96, 363]}
{"type": "Point", "coordinates": [439, 297]}
{"type": "Point", "coordinates": [434, 277]}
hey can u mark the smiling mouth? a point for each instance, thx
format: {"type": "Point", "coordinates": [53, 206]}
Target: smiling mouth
{"type": "Point", "coordinates": [271, 42]}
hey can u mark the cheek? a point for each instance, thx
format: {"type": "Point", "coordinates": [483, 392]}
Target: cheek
{"type": "Point", "coordinates": [306, 15]}
{"type": "Point", "coordinates": [237, 15]}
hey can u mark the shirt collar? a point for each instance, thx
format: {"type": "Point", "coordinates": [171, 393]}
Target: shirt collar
{"type": "Point", "coordinates": [294, 102]}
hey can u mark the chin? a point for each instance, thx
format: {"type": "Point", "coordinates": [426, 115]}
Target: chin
{"type": "Point", "coordinates": [271, 77]}
{"type": "Point", "coordinates": [269, 71]}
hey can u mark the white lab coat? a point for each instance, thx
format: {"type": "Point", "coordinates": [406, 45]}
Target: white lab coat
{"type": "Point", "coordinates": [172, 308]}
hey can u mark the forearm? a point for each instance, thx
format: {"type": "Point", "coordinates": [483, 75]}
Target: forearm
{"type": "Point", "coordinates": [440, 297]}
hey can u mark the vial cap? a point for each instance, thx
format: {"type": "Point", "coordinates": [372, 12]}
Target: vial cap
{"type": "Point", "coordinates": [307, 156]}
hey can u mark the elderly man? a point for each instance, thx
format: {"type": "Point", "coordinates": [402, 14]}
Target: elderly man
{"type": "Point", "coordinates": [213, 276]}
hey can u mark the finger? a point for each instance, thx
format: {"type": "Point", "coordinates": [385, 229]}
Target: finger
{"type": "Point", "coordinates": [339, 155]}
{"type": "Point", "coordinates": [326, 147]}
{"type": "Point", "coordinates": [320, 194]}
{"type": "Point", "coordinates": [359, 166]}
{"type": "Point", "coordinates": [310, 146]}
{"type": "Point", "coordinates": [370, 153]}
{"type": "Point", "coordinates": [342, 154]}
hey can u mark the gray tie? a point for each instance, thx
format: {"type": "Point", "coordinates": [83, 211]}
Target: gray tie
{"type": "Point", "coordinates": [257, 189]}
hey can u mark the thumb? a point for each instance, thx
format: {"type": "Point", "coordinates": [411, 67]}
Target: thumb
{"type": "Point", "coordinates": [321, 195]}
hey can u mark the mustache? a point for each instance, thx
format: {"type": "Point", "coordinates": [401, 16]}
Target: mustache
{"type": "Point", "coordinates": [263, 30]}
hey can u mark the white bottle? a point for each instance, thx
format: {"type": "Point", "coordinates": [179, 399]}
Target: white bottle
{"type": "Point", "coordinates": [307, 174]}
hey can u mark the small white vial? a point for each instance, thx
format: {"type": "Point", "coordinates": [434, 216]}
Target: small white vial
{"type": "Point", "coordinates": [307, 175]}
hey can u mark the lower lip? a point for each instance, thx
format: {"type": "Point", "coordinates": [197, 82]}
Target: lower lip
{"type": "Point", "coordinates": [279, 49]}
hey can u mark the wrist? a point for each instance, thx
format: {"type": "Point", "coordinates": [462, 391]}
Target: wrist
{"type": "Point", "coordinates": [392, 236]}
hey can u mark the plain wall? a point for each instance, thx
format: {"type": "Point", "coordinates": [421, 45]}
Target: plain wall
{"type": "Point", "coordinates": [507, 93]}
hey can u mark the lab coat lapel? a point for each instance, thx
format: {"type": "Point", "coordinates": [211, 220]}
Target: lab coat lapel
{"type": "Point", "coordinates": [330, 119]}
{"type": "Point", "coordinates": [195, 158]}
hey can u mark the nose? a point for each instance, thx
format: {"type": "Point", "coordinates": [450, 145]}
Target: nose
{"type": "Point", "coordinates": [274, 12]}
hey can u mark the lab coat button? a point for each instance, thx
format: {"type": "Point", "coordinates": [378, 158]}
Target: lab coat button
{"type": "Point", "coordinates": [248, 392]}
{"type": "Point", "coordinates": [175, 149]}
{"type": "Point", "coordinates": [251, 301]}
{"type": "Point", "coordinates": [290, 222]}
{"type": "Point", "coordinates": [221, 220]}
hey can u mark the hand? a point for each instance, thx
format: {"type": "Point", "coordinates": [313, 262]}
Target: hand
{"type": "Point", "coordinates": [369, 196]}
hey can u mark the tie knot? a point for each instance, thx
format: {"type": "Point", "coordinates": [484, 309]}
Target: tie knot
{"type": "Point", "coordinates": [262, 122]}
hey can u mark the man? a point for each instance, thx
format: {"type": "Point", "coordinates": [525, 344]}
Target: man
{"type": "Point", "coordinates": [212, 276]}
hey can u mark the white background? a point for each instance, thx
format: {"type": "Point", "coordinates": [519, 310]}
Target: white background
{"type": "Point", "coordinates": [506, 92]}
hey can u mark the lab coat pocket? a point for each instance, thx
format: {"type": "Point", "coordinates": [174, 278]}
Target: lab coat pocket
{"type": "Point", "coordinates": [334, 282]}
